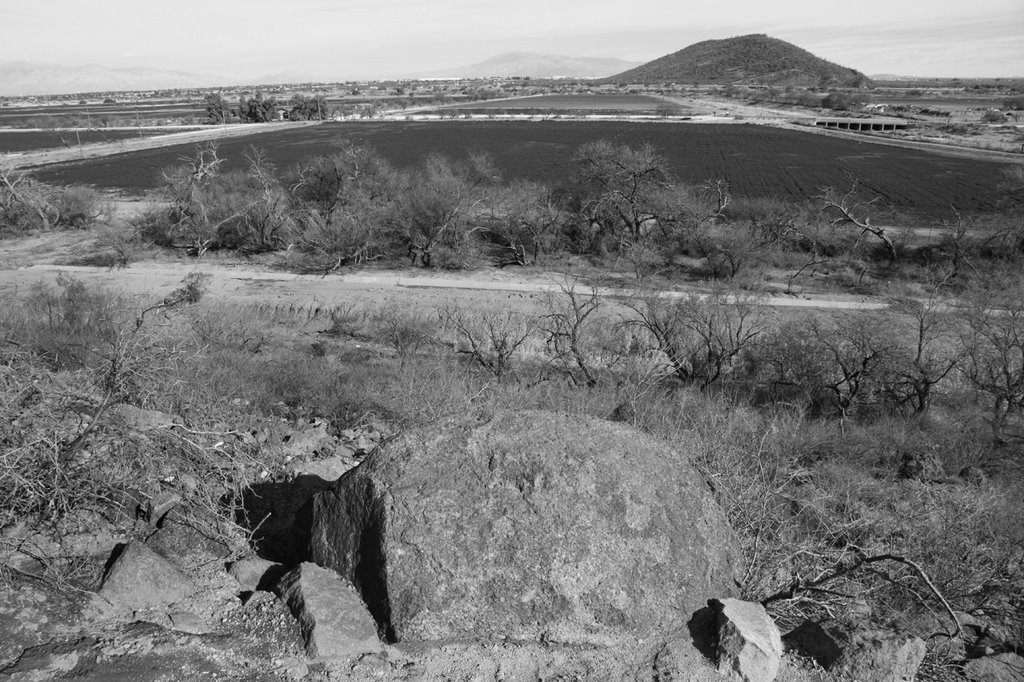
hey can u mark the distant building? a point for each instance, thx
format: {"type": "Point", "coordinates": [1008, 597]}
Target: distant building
{"type": "Point", "coordinates": [876, 125]}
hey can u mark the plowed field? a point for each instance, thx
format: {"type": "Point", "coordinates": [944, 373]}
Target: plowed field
{"type": "Point", "coordinates": [757, 161]}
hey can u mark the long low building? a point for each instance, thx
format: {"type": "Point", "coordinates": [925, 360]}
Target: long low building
{"type": "Point", "coordinates": [866, 124]}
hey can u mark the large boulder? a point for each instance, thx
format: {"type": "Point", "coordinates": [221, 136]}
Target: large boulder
{"type": "Point", "coordinates": [528, 526]}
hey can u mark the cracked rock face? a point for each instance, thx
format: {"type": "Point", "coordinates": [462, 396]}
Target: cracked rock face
{"type": "Point", "coordinates": [526, 526]}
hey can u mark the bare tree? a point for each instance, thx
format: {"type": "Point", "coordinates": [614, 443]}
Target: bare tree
{"type": "Point", "coordinates": [934, 354]}
{"type": "Point", "coordinates": [618, 184]}
{"type": "Point", "coordinates": [490, 338]}
{"type": "Point", "coordinates": [701, 336]}
{"type": "Point", "coordinates": [19, 192]}
{"type": "Point", "coordinates": [849, 209]}
{"type": "Point", "coordinates": [523, 218]}
{"type": "Point", "coordinates": [567, 326]}
{"type": "Point", "coordinates": [994, 353]}
{"type": "Point", "coordinates": [436, 207]}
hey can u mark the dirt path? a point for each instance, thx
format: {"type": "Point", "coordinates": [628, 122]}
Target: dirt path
{"type": "Point", "coordinates": [159, 139]}
{"type": "Point", "coordinates": [315, 294]}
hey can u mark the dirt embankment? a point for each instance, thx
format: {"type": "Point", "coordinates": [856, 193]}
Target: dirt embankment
{"type": "Point", "coordinates": [99, 149]}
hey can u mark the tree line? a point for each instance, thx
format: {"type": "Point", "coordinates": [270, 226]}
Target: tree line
{"type": "Point", "coordinates": [260, 109]}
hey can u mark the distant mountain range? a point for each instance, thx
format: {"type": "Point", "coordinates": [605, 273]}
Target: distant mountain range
{"type": "Point", "coordinates": [751, 60]}
{"type": "Point", "coordinates": [36, 78]}
{"type": "Point", "coordinates": [535, 65]}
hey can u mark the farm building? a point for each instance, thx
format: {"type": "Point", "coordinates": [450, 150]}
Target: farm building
{"type": "Point", "coordinates": [865, 124]}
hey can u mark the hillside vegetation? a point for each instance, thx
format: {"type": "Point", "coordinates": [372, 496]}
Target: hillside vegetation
{"type": "Point", "coordinates": [751, 59]}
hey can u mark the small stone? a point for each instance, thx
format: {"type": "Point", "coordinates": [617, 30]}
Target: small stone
{"type": "Point", "coordinates": [293, 668]}
{"type": "Point", "coordinates": [334, 621]}
{"type": "Point", "coordinates": [185, 621]}
{"type": "Point", "coordinates": [254, 573]}
{"type": "Point", "coordinates": [159, 505]}
{"type": "Point", "coordinates": [329, 470]}
{"type": "Point", "coordinates": [140, 578]}
{"type": "Point", "coordinates": [749, 644]}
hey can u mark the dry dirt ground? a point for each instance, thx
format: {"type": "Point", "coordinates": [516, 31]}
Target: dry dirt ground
{"type": "Point", "coordinates": [266, 285]}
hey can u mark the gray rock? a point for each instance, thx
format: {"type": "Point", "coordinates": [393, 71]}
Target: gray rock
{"type": "Point", "coordinates": [254, 573]}
{"type": "Point", "coordinates": [860, 653]}
{"type": "Point", "coordinates": [188, 622]}
{"type": "Point", "coordinates": [529, 526]}
{"type": "Point", "coordinates": [333, 619]}
{"type": "Point", "coordinates": [158, 506]}
{"type": "Point", "coordinates": [330, 469]}
{"type": "Point", "coordinates": [749, 644]}
{"type": "Point", "coordinates": [998, 668]}
{"type": "Point", "coordinates": [140, 578]}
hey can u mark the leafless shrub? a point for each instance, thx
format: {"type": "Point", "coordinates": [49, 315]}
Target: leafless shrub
{"type": "Point", "coordinates": [489, 338]}
{"type": "Point", "coordinates": [404, 330]}
{"type": "Point", "coordinates": [993, 363]}
{"type": "Point", "coordinates": [346, 319]}
{"type": "Point", "coordinates": [833, 366]}
{"type": "Point", "coordinates": [703, 337]}
{"type": "Point", "coordinates": [568, 328]}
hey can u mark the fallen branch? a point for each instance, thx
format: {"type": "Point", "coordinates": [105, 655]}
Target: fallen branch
{"type": "Point", "coordinates": [861, 560]}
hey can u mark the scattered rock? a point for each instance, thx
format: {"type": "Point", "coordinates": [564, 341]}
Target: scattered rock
{"type": "Point", "coordinates": [140, 578]}
{"type": "Point", "coordinates": [254, 573]}
{"type": "Point", "coordinates": [307, 441]}
{"type": "Point", "coordinates": [530, 526]}
{"type": "Point", "coordinates": [334, 621]}
{"type": "Point", "coordinates": [860, 653]}
{"type": "Point", "coordinates": [998, 668]}
{"type": "Point", "coordinates": [749, 644]}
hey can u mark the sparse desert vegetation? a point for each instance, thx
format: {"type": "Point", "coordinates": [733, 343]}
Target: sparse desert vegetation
{"type": "Point", "coordinates": [836, 346]}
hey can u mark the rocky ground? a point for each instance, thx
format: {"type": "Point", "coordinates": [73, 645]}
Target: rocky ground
{"type": "Point", "coordinates": [519, 546]}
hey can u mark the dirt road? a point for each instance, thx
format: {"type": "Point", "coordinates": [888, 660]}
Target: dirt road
{"type": "Point", "coordinates": [161, 138]}
{"type": "Point", "coordinates": [316, 294]}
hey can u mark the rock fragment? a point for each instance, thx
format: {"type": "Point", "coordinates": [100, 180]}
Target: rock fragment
{"type": "Point", "coordinates": [749, 644]}
{"type": "Point", "coordinates": [332, 617]}
{"type": "Point", "coordinates": [140, 578]}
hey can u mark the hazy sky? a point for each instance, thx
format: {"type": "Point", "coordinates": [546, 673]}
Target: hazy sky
{"type": "Point", "coordinates": [340, 39]}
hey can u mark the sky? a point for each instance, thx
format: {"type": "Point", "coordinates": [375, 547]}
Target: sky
{"type": "Point", "coordinates": [344, 39]}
